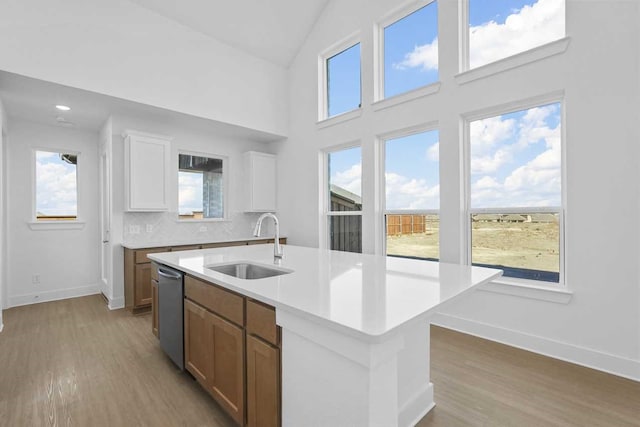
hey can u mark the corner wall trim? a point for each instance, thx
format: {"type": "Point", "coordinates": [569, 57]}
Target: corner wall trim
{"type": "Point", "coordinates": [116, 303]}
{"type": "Point", "coordinates": [34, 298]}
{"type": "Point", "coordinates": [616, 365]}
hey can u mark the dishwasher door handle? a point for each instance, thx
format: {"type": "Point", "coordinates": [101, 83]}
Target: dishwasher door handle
{"type": "Point", "coordinates": [169, 274]}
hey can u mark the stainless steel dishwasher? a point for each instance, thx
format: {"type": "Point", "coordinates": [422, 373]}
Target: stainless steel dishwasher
{"type": "Point", "coordinates": [170, 313]}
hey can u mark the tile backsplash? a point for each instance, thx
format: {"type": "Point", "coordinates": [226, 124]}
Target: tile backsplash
{"type": "Point", "coordinates": [161, 227]}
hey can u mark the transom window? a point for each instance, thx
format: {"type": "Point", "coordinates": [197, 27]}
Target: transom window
{"type": "Point", "coordinates": [412, 195]}
{"type": "Point", "coordinates": [498, 29]}
{"type": "Point", "coordinates": [341, 81]}
{"type": "Point", "coordinates": [344, 203]}
{"type": "Point", "coordinates": [200, 187]}
{"type": "Point", "coordinates": [411, 51]}
{"type": "Point", "coordinates": [56, 186]}
{"type": "Point", "coordinates": [515, 174]}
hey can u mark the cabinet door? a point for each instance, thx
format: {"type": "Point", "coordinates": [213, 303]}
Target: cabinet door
{"type": "Point", "coordinates": [147, 164]}
{"type": "Point", "coordinates": [142, 288]}
{"type": "Point", "coordinates": [263, 383]}
{"type": "Point", "coordinates": [260, 182]}
{"type": "Point", "coordinates": [227, 374]}
{"type": "Point", "coordinates": [154, 307]}
{"type": "Point", "coordinates": [197, 342]}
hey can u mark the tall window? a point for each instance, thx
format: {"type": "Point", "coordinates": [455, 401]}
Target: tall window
{"type": "Point", "coordinates": [498, 29]}
{"type": "Point", "coordinates": [344, 204]}
{"type": "Point", "coordinates": [411, 51]}
{"type": "Point", "coordinates": [516, 192]}
{"type": "Point", "coordinates": [342, 81]}
{"type": "Point", "coordinates": [412, 195]}
{"type": "Point", "coordinates": [200, 187]}
{"type": "Point", "coordinates": [56, 186]}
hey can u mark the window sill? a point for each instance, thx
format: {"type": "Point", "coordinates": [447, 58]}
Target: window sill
{"type": "Point", "coordinates": [332, 121]}
{"type": "Point", "coordinates": [56, 225]}
{"type": "Point", "coordinates": [406, 97]}
{"type": "Point", "coordinates": [517, 60]}
{"type": "Point", "coordinates": [559, 295]}
{"type": "Point", "coordinates": [191, 221]}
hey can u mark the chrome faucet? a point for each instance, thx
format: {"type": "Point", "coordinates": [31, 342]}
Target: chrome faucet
{"type": "Point", "coordinates": [277, 249]}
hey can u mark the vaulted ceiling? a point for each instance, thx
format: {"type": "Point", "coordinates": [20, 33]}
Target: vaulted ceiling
{"type": "Point", "coordinates": [272, 30]}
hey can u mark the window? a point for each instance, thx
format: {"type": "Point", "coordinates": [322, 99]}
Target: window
{"type": "Point", "coordinates": [498, 29]}
{"type": "Point", "coordinates": [56, 197]}
{"type": "Point", "coordinates": [344, 202]}
{"type": "Point", "coordinates": [200, 187]}
{"type": "Point", "coordinates": [412, 195]}
{"type": "Point", "coordinates": [342, 81]}
{"type": "Point", "coordinates": [411, 51]}
{"type": "Point", "coordinates": [515, 170]}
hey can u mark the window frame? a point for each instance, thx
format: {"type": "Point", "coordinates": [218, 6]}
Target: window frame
{"type": "Point", "coordinates": [323, 86]}
{"type": "Point", "coordinates": [466, 119]}
{"type": "Point", "coordinates": [378, 52]}
{"type": "Point", "coordinates": [532, 54]}
{"type": "Point", "coordinates": [381, 142]}
{"type": "Point", "coordinates": [71, 224]}
{"type": "Point", "coordinates": [225, 185]}
{"type": "Point", "coordinates": [325, 193]}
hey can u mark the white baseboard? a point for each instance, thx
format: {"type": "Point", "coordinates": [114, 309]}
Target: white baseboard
{"type": "Point", "coordinates": [1, 326]}
{"type": "Point", "coordinates": [34, 298]}
{"type": "Point", "coordinates": [116, 303]}
{"type": "Point", "coordinates": [610, 363]}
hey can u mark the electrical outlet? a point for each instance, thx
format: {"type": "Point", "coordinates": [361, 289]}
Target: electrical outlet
{"type": "Point", "coordinates": [35, 279]}
{"type": "Point", "coordinates": [134, 229]}
{"type": "Point", "coordinates": [149, 228]}
{"type": "Point", "coordinates": [203, 228]}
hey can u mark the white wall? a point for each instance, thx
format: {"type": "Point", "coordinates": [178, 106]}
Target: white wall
{"type": "Point", "coordinates": [66, 260]}
{"type": "Point", "coordinates": [3, 240]}
{"type": "Point", "coordinates": [598, 73]}
{"type": "Point", "coordinates": [118, 48]}
{"type": "Point", "coordinates": [195, 136]}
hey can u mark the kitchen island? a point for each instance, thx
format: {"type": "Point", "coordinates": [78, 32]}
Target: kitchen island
{"type": "Point", "coordinates": [354, 327]}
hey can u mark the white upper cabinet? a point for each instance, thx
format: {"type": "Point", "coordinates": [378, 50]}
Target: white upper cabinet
{"type": "Point", "coordinates": [147, 166]}
{"type": "Point", "coordinates": [260, 182]}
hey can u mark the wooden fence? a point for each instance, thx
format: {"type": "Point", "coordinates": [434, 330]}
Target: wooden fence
{"type": "Point", "coordinates": [408, 224]}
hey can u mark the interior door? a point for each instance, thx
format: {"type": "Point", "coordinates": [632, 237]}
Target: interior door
{"type": "Point", "coordinates": [105, 224]}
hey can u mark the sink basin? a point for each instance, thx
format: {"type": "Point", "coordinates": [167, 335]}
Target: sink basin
{"type": "Point", "coordinates": [247, 270]}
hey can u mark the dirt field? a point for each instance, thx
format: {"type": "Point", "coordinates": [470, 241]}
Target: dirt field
{"type": "Point", "coordinates": [521, 245]}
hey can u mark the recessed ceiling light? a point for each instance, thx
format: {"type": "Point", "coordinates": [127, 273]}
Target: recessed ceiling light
{"type": "Point", "coordinates": [63, 107]}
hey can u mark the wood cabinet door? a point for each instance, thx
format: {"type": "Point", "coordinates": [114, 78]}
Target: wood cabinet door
{"type": "Point", "coordinates": [142, 288]}
{"type": "Point", "coordinates": [154, 308]}
{"type": "Point", "coordinates": [227, 369]}
{"type": "Point", "coordinates": [197, 342]}
{"type": "Point", "coordinates": [263, 383]}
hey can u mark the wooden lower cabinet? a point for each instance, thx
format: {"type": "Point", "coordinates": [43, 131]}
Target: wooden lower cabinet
{"type": "Point", "coordinates": [142, 291]}
{"type": "Point", "coordinates": [263, 383]}
{"type": "Point", "coordinates": [154, 307]}
{"type": "Point", "coordinates": [214, 355]}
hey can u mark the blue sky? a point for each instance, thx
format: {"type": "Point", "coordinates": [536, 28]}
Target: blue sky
{"type": "Point", "coordinates": [507, 174]}
{"type": "Point", "coordinates": [56, 185]}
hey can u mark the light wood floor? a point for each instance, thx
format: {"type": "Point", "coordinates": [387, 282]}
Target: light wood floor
{"type": "Point", "coordinates": [75, 363]}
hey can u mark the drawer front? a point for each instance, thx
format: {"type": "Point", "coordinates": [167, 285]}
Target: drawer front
{"type": "Point", "coordinates": [222, 302]}
{"type": "Point", "coordinates": [261, 321]}
{"type": "Point", "coordinates": [223, 245]}
{"type": "Point", "coordinates": [141, 255]}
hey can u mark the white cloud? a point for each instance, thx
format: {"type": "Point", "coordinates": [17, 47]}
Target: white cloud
{"type": "Point", "coordinates": [529, 27]}
{"type": "Point", "coordinates": [56, 188]}
{"type": "Point", "coordinates": [433, 152]}
{"type": "Point", "coordinates": [350, 179]}
{"type": "Point", "coordinates": [190, 192]}
{"type": "Point", "coordinates": [490, 163]}
{"type": "Point", "coordinates": [410, 193]}
{"type": "Point", "coordinates": [424, 57]}
{"type": "Point", "coordinates": [485, 134]}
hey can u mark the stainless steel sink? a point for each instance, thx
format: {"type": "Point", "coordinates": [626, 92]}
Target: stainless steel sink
{"type": "Point", "coordinates": [247, 270]}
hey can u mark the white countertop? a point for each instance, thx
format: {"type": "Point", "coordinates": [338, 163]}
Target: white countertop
{"type": "Point", "coordinates": [148, 245]}
{"type": "Point", "coordinates": [368, 296]}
